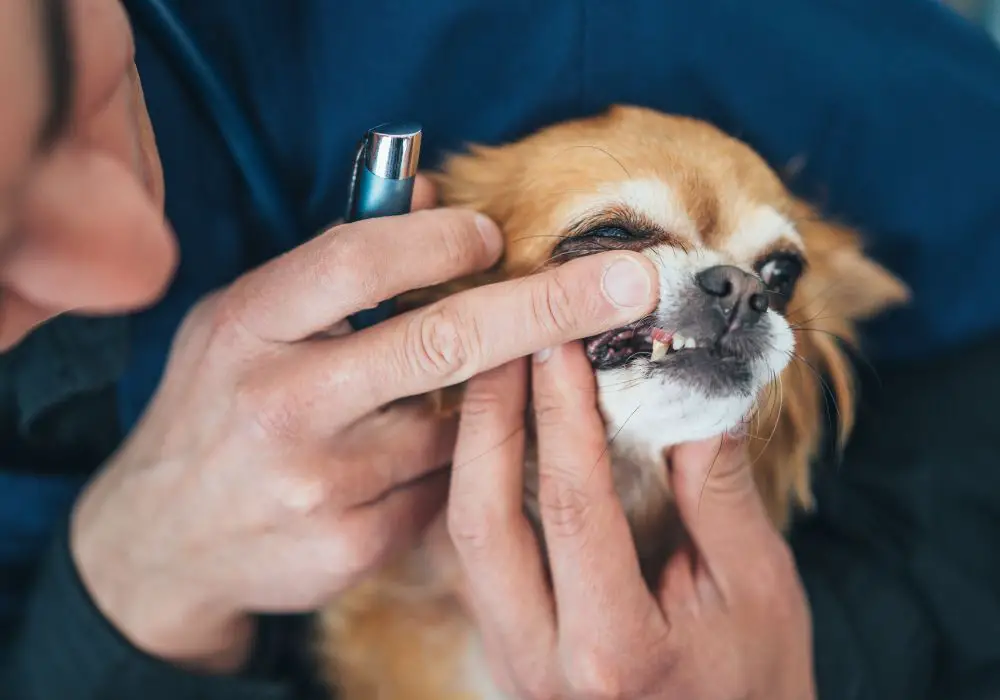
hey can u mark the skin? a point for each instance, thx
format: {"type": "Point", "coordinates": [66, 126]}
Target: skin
{"type": "Point", "coordinates": [730, 620]}
{"type": "Point", "coordinates": [268, 474]}
{"type": "Point", "coordinates": [81, 221]}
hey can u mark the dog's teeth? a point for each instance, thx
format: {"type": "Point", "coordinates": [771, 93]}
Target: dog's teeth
{"type": "Point", "coordinates": [690, 343]}
{"type": "Point", "coordinates": [659, 351]}
{"type": "Point", "coordinates": [679, 341]}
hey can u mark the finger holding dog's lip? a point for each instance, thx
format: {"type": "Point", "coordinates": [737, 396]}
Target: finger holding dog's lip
{"type": "Point", "coordinates": [505, 580]}
{"type": "Point", "coordinates": [452, 340]}
{"type": "Point", "coordinates": [591, 553]}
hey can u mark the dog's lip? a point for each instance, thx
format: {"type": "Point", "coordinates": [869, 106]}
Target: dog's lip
{"type": "Point", "coordinates": [642, 326]}
{"type": "Point", "coordinates": [640, 338]}
{"type": "Point", "coordinates": [651, 341]}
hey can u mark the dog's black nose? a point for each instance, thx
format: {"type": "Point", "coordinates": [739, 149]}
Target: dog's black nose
{"type": "Point", "coordinates": [739, 295]}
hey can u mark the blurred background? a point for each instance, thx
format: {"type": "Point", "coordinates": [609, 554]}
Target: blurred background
{"type": "Point", "coordinates": [985, 12]}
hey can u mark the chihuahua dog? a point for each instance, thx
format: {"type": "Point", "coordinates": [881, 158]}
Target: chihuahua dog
{"type": "Point", "coordinates": [757, 296]}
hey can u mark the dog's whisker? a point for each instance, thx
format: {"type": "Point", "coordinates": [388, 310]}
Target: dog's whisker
{"type": "Point", "coordinates": [776, 382]}
{"type": "Point", "coordinates": [708, 475]}
{"type": "Point", "coordinates": [605, 152]}
{"type": "Point", "coordinates": [824, 293]}
{"type": "Point", "coordinates": [540, 236]}
{"type": "Point", "coordinates": [825, 387]}
{"type": "Point", "coordinates": [614, 437]}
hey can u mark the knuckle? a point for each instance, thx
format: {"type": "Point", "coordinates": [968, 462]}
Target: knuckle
{"type": "Point", "coordinates": [550, 412]}
{"type": "Point", "coordinates": [481, 402]}
{"type": "Point", "coordinates": [379, 541]}
{"type": "Point", "coordinates": [198, 327]}
{"type": "Point", "coordinates": [221, 317]}
{"type": "Point", "coordinates": [552, 306]}
{"type": "Point", "coordinates": [444, 344]}
{"type": "Point", "coordinates": [472, 528]}
{"type": "Point", "coordinates": [534, 683]}
{"type": "Point", "coordinates": [564, 506]}
{"type": "Point", "coordinates": [303, 494]}
{"type": "Point", "coordinates": [460, 245]}
{"type": "Point", "coordinates": [363, 552]}
{"type": "Point", "coordinates": [593, 675]}
{"type": "Point", "coordinates": [273, 414]}
{"type": "Point", "coordinates": [345, 268]}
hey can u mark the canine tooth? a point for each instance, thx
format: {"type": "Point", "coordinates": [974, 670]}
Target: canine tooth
{"type": "Point", "coordinates": [679, 341]}
{"type": "Point", "coordinates": [690, 343]}
{"type": "Point", "coordinates": [659, 351]}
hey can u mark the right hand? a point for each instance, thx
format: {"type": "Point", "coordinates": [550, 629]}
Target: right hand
{"type": "Point", "coordinates": [266, 475]}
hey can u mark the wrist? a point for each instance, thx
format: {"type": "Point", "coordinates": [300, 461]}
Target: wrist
{"type": "Point", "coordinates": [171, 621]}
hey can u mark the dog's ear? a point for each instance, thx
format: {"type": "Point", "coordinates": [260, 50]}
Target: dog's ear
{"type": "Point", "coordinates": [841, 286]}
{"type": "Point", "coordinates": [867, 288]}
{"type": "Point", "coordinates": [842, 274]}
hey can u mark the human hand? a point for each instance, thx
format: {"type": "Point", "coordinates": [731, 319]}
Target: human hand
{"type": "Point", "coordinates": [730, 619]}
{"type": "Point", "coordinates": [268, 473]}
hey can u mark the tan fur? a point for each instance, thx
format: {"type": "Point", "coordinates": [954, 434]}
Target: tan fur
{"type": "Point", "coordinates": [403, 634]}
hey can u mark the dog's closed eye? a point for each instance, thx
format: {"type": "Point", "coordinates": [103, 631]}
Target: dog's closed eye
{"type": "Point", "coordinates": [597, 238]}
{"type": "Point", "coordinates": [616, 229]}
{"type": "Point", "coordinates": [617, 233]}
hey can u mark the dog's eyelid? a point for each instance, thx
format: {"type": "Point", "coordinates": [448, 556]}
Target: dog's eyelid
{"type": "Point", "coordinates": [612, 231]}
{"type": "Point", "coordinates": [611, 219]}
{"type": "Point", "coordinates": [595, 230]}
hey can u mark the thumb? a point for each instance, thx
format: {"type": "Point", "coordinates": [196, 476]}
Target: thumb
{"type": "Point", "coordinates": [717, 499]}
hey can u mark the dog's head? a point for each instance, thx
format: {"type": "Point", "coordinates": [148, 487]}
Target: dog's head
{"type": "Point", "coordinates": [755, 290]}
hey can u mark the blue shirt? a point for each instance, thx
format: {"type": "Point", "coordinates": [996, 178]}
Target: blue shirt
{"type": "Point", "coordinates": [889, 110]}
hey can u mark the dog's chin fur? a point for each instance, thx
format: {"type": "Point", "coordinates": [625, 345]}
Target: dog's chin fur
{"type": "Point", "coordinates": [701, 199]}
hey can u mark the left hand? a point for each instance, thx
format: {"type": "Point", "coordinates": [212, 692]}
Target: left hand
{"type": "Point", "coordinates": [730, 621]}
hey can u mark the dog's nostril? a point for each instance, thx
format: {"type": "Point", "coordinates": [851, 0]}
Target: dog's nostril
{"type": "Point", "coordinates": [737, 295]}
{"type": "Point", "coordinates": [720, 280]}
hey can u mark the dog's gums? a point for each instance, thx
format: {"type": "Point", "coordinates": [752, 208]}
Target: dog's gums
{"type": "Point", "coordinates": [616, 348]}
{"type": "Point", "coordinates": [756, 294]}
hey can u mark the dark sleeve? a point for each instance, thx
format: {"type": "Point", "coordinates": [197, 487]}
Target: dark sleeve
{"type": "Point", "coordinates": [64, 648]}
{"type": "Point", "coordinates": [900, 560]}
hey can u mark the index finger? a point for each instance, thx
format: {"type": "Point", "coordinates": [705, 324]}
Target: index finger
{"type": "Point", "coordinates": [494, 542]}
{"type": "Point", "coordinates": [486, 327]}
{"type": "Point", "coordinates": [595, 568]}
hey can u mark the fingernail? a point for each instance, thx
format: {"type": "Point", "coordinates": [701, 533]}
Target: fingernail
{"type": "Point", "coordinates": [543, 355]}
{"type": "Point", "coordinates": [490, 233]}
{"type": "Point", "coordinates": [627, 283]}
